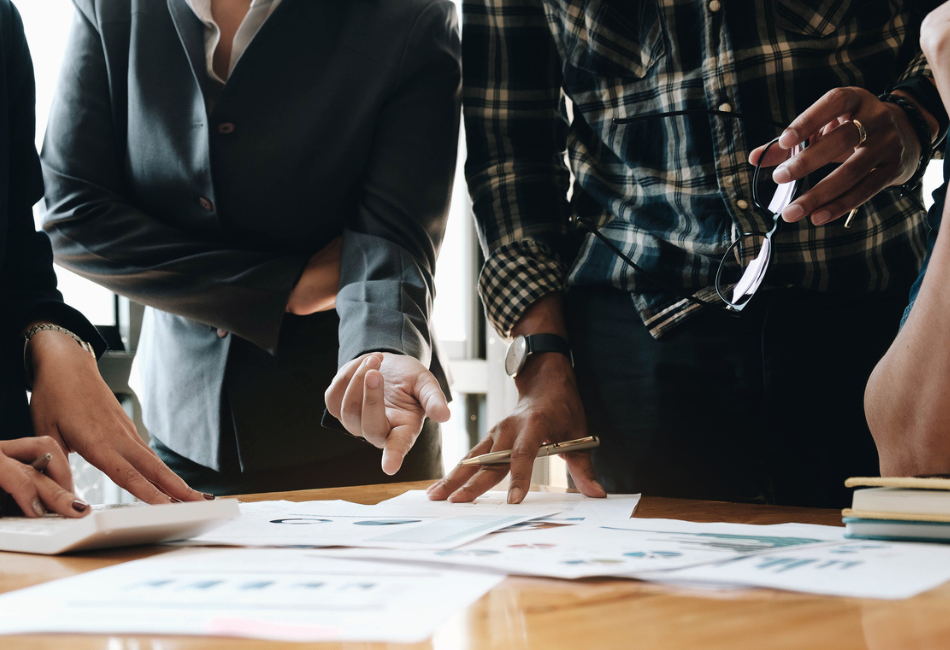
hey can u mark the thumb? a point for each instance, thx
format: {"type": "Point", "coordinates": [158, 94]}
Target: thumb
{"type": "Point", "coordinates": [429, 394]}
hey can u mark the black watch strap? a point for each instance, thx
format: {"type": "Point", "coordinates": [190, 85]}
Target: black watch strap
{"type": "Point", "coordinates": [548, 343]}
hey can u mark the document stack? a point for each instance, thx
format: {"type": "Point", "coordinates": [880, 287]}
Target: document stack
{"type": "Point", "coordinates": [900, 508]}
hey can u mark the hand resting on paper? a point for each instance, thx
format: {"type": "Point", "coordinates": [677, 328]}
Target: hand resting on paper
{"type": "Point", "coordinates": [73, 405]}
{"type": "Point", "coordinates": [549, 410]}
{"type": "Point", "coordinates": [385, 398]}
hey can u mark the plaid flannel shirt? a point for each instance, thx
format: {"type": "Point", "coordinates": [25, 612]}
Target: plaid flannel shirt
{"type": "Point", "coordinates": [672, 193]}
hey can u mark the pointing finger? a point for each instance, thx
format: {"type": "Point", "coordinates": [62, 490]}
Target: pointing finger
{"type": "Point", "coordinates": [374, 422]}
{"type": "Point", "coordinates": [430, 396]}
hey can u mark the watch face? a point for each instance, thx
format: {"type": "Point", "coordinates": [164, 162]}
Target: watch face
{"type": "Point", "coordinates": [517, 352]}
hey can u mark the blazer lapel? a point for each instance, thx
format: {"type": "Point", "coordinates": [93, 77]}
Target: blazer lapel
{"type": "Point", "coordinates": [191, 33]}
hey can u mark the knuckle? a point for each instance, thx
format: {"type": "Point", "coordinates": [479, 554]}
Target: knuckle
{"type": "Point", "coordinates": [48, 444]}
{"type": "Point", "coordinates": [522, 452]}
{"type": "Point", "coordinates": [131, 477]}
{"type": "Point", "coordinates": [838, 95]}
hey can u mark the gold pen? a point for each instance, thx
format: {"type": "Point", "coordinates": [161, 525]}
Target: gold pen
{"type": "Point", "coordinates": [496, 457]}
{"type": "Point", "coordinates": [40, 463]}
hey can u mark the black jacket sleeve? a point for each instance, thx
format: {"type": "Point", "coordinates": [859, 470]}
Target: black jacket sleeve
{"type": "Point", "coordinates": [27, 281]}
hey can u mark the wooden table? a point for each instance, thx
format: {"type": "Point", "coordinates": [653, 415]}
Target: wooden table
{"type": "Point", "coordinates": [601, 614]}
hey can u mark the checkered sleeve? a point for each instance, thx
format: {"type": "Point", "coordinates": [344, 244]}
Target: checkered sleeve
{"type": "Point", "coordinates": [515, 276]}
{"type": "Point", "coordinates": [917, 66]}
{"type": "Point", "coordinates": [516, 131]}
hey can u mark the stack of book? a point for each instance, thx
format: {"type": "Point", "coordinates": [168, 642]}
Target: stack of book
{"type": "Point", "coordinates": [898, 508]}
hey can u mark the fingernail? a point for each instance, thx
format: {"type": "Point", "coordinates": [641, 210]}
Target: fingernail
{"type": "Point", "coordinates": [794, 212]}
{"type": "Point", "coordinates": [788, 139]}
{"type": "Point", "coordinates": [781, 175]}
{"type": "Point", "coordinates": [600, 487]}
{"type": "Point", "coordinates": [372, 361]}
{"type": "Point", "coordinates": [80, 506]}
{"type": "Point", "coordinates": [821, 217]}
{"type": "Point", "coordinates": [432, 487]}
{"type": "Point", "coordinates": [372, 381]}
{"type": "Point", "coordinates": [515, 495]}
{"type": "Point", "coordinates": [38, 508]}
{"type": "Point", "coordinates": [174, 500]}
{"type": "Point", "coordinates": [209, 497]}
{"type": "Point", "coordinates": [390, 458]}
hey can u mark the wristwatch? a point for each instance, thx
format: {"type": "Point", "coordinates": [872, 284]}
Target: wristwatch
{"type": "Point", "coordinates": [524, 346]}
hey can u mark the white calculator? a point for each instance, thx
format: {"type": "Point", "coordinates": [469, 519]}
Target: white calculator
{"type": "Point", "coordinates": [115, 525]}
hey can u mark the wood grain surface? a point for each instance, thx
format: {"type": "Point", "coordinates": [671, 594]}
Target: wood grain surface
{"type": "Point", "coordinates": [601, 614]}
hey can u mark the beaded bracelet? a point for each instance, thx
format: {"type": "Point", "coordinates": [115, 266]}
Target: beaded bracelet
{"type": "Point", "coordinates": [919, 124]}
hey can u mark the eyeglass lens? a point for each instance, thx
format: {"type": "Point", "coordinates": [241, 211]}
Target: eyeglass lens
{"type": "Point", "coordinates": [779, 196]}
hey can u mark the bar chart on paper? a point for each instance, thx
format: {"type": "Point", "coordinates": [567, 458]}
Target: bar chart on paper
{"type": "Point", "coordinates": [285, 594]}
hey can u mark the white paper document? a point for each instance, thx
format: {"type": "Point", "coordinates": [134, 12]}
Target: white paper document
{"type": "Point", "coordinates": [278, 594]}
{"type": "Point", "coordinates": [860, 569]}
{"type": "Point", "coordinates": [570, 507]}
{"type": "Point", "coordinates": [341, 523]}
{"type": "Point", "coordinates": [622, 549]}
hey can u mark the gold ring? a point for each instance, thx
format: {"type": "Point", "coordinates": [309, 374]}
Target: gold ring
{"type": "Point", "coordinates": [847, 222]}
{"type": "Point", "coordinates": [862, 134]}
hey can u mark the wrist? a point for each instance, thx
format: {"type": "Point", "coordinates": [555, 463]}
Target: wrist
{"type": "Point", "coordinates": [933, 126]}
{"type": "Point", "coordinates": [550, 368]}
{"type": "Point", "coordinates": [544, 316]}
{"type": "Point", "coordinates": [909, 116]}
{"type": "Point", "coordinates": [48, 349]}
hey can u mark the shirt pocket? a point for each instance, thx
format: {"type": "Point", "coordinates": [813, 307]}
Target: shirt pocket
{"type": "Point", "coordinates": [822, 18]}
{"type": "Point", "coordinates": [613, 38]}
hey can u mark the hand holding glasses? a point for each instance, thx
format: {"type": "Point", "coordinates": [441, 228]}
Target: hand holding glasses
{"type": "Point", "coordinates": [767, 196]}
{"type": "Point", "coordinates": [867, 165]}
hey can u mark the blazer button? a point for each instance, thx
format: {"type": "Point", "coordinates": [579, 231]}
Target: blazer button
{"type": "Point", "coordinates": [226, 128]}
{"type": "Point", "coordinates": [206, 204]}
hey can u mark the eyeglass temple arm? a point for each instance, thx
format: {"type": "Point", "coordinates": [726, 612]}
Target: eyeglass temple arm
{"type": "Point", "coordinates": [646, 274]}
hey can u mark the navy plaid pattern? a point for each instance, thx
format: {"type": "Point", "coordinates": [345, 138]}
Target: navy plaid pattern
{"type": "Point", "coordinates": [672, 193]}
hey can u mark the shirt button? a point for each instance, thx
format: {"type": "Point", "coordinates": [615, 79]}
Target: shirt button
{"type": "Point", "coordinates": [725, 107]}
{"type": "Point", "coordinates": [226, 128]}
{"type": "Point", "coordinates": [742, 204]}
{"type": "Point", "coordinates": [206, 204]}
{"type": "Point", "coordinates": [715, 6]}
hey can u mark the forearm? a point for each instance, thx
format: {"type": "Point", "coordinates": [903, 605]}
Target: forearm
{"type": "Point", "coordinates": [907, 401]}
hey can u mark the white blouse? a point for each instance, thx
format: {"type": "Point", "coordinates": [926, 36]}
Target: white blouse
{"type": "Point", "coordinates": [258, 13]}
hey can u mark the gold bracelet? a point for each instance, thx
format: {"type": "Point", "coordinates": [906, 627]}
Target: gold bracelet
{"type": "Point", "coordinates": [27, 359]}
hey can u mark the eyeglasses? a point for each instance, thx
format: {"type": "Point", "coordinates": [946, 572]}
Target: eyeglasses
{"type": "Point", "coordinates": [767, 196]}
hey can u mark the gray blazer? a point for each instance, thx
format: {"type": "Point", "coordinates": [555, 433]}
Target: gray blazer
{"type": "Point", "coordinates": [205, 203]}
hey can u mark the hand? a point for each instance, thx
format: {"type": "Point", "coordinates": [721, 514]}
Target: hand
{"type": "Point", "coordinates": [34, 491]}
{"type": "Point", "coordinates": [888, 157]}
{"type": "Point", "coordinates": [72, 405]}
{"type": "Point", "coordinates": [935, 35]}
{"type": "Point", "coordinates": [549, 410]}
{"type": "Point", "coordinates": [385, 398]}
{"type": "Point", "coordinates": [317, 287]}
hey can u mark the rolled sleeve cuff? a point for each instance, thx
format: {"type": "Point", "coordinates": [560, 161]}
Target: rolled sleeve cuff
{"type": "Point", "coordinates": [918, 66]}
{"type": "Point", "coordinates": [516, 276]}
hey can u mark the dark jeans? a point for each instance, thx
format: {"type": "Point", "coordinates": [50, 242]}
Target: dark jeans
{"type": "Point", "coordinates": [362, 467]}
{"type": "Point", "coordinates": [763, 408]}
